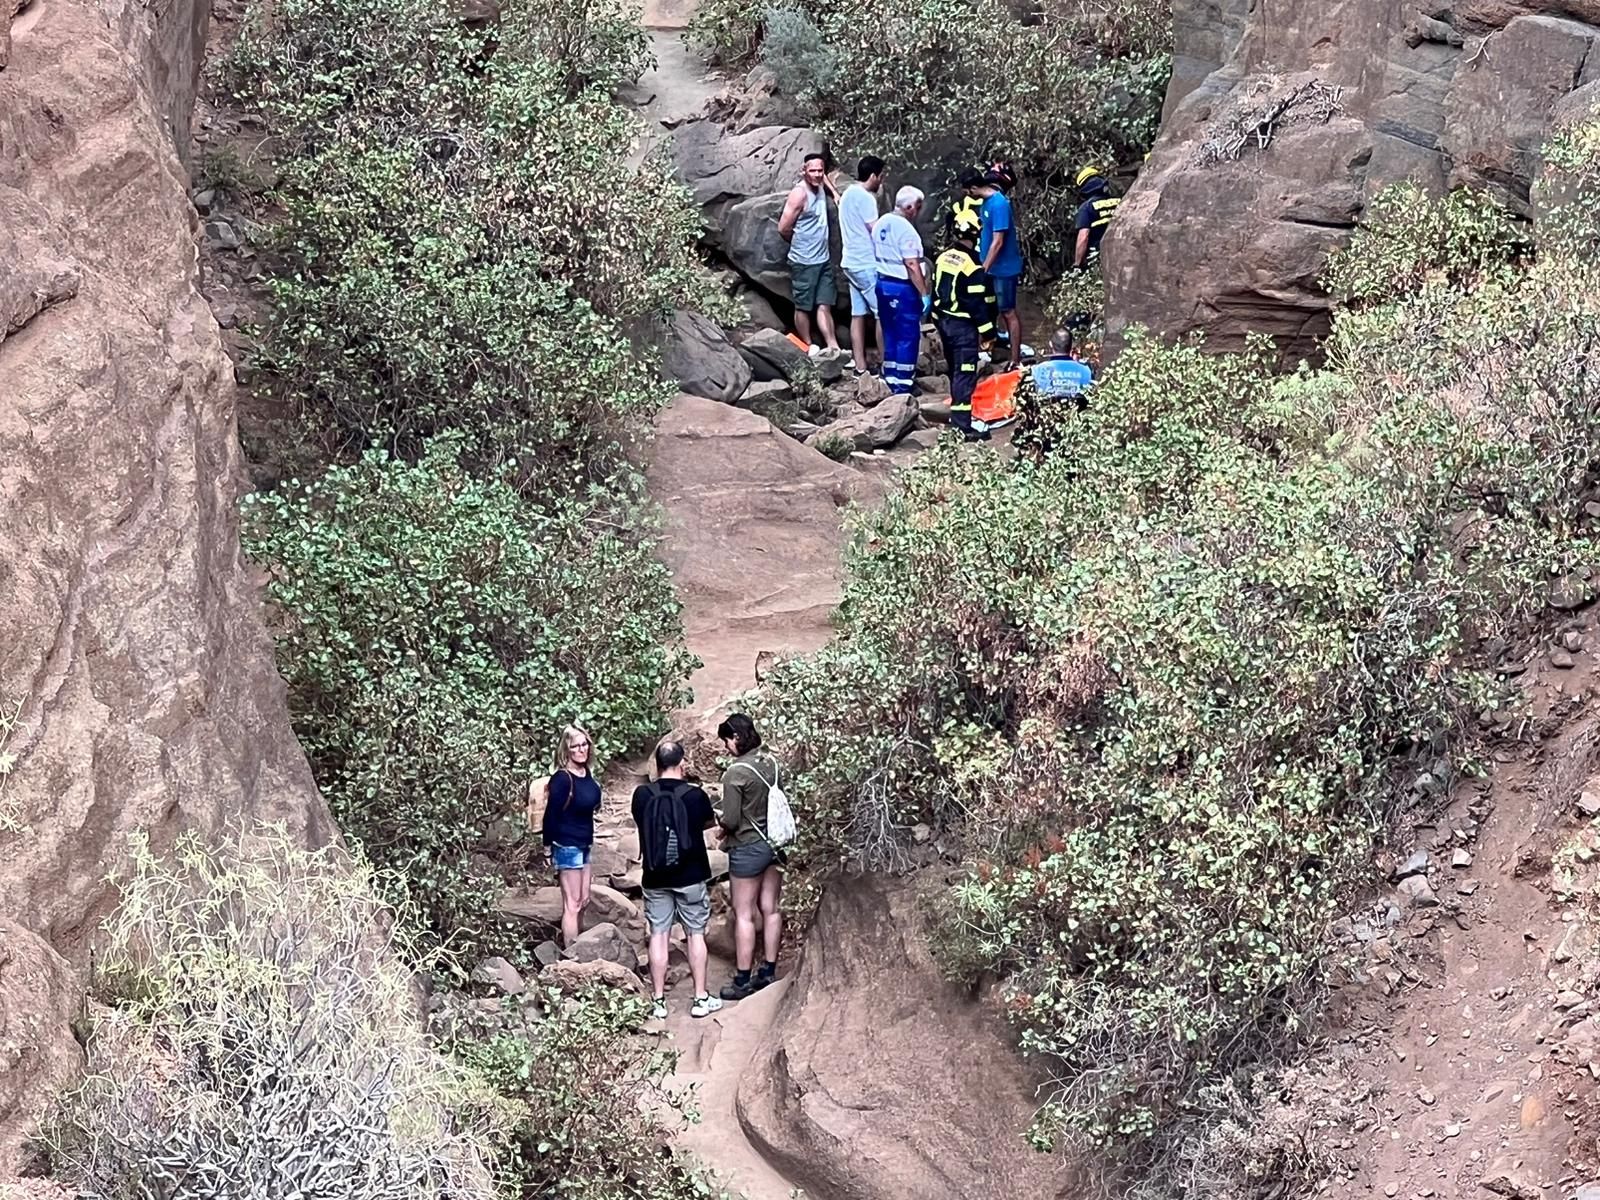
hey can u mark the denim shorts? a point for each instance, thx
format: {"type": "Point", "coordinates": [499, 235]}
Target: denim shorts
{"type": "Point", "coordinates": [746, 862]}
{"type": "Point", "coordinates": [689, 906]}
{"type": "Point", "coordinates": [863, 283]}
{"type": "Point", "coordinates": [1005, 292]}
{"type": "Point", "coordinates": [569, 858]}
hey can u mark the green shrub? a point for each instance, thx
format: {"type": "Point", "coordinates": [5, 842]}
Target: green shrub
{"type": "Point", "coordinates": [464, 243]}
{"type": "Point", "coordinates": [439, 631]}
{"type": "Point", "coordinates": [728, 31]}
{"type": "Point", "coordinates": [580, 1096]}
{"type": "Point", "coordinates": [835, 446]}
{"type": "Point", "coordinates": [261, 1039]}
{"type": "Point", "coordinates": [794, 49]}
{"type": "Point", "coordinates": [1168, 683]}
{"type": "Point", "coordinates": [1408, 239]}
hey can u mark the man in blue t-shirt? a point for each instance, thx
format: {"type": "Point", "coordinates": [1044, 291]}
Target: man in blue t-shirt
{"type": "Point", "coordinates": [1000, 248]}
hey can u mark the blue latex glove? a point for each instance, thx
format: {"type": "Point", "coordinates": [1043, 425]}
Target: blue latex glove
{"type": "Point", "coordinates": [927, 306]}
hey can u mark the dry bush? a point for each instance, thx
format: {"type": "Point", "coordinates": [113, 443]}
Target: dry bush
{"type": "Point", "coordinates": [260, 1040]}
{"type": "Point", "coordinates": [1260, 1136]}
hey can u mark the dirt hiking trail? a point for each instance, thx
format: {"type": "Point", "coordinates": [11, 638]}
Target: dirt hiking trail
{"type": "Point", "coordinates": [1477, 1066]}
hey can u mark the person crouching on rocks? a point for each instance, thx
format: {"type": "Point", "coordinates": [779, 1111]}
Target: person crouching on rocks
{"type": "Point", "coordinates": [754, 865]}
{"type": "Point", "coordinates": [673, 816]}
{"type": "Point", "coordinates": [570, 804]}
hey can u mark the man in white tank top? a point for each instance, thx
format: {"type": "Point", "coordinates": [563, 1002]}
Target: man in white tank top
{"type": "Point", "coordinates": [804, 225]}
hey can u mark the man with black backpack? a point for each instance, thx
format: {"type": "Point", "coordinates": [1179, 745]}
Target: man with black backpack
{"type": "Point", "coordinates": [673, 816]}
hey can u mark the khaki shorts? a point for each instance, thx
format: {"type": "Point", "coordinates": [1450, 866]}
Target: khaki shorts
{"type": "Point", "coordinates": [688, 906]}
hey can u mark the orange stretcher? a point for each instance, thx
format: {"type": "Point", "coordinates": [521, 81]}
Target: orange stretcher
{"type": "Point", "coordinates": [803, 347]}
{"type": "Point", "coordinates": [994, 402]}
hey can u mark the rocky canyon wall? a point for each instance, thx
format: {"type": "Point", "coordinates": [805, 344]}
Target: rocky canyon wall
{"type": "Point", "coordinates": [1445, 92]}
{"type": "Point", "coordinates": [133, 652]}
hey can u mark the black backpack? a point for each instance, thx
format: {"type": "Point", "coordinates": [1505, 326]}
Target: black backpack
{"type": "Point", "coordinates": [665, 814]}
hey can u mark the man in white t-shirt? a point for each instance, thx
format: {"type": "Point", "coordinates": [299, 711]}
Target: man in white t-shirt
{"type": "Point", "coordinates": [858, 213]}
{"type": "Point", "coordinates": [903, 295]}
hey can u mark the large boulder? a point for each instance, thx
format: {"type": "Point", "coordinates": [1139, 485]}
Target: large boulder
{"type": "Point", "coordinates": [134, 645]}
{"type": "Point", "coordinates": [753, 537]}
{"type": "Point", "coordinates": [698, 356]}
{"type": "Point", "coordinates": [603, 943]}
{"type": "Point", "coordinates": [751, 241]}
{"type": "Point", "coordinates": [1226, 236]}
{"type": "Point", "coordinates": [875, 428]}
{"type": "Point", "coordinates": [740, 182]}
{"type": "Point", "coordinates": [542, 906]}
{"type": "Point", "coordinates": [722, 171]}
{"type": "Point", "coordinates": [878, 1079]}
{"type": "Point", "coordinates": [772, 356]}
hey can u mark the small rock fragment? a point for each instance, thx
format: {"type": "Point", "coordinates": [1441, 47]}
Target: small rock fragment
{"type": "Point", "coordinates": [1460, 859]}
{"type": "Point", "coordinates": [1415, 865]}
{"type": "Point", "coordinates": [1418, 892]}
{"type": "Point", "coordinates": [498, 973]}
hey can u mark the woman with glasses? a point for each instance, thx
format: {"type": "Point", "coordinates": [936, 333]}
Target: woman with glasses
{"type": "Point", "coordinates": [572, 800]}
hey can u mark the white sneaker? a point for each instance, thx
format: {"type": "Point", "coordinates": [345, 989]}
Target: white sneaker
{"type": "Point", "coordinates": [814, 352]}
{"type": "Point", "coordinates": [704, 1006]}
{"type": "Point", "coordinates": [658, 1011]}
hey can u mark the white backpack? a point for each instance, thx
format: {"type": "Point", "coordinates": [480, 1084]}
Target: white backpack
{"type": "Point", "coordinates": [780, 830]}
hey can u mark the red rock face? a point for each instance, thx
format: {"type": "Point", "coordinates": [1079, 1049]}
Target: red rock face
{"type": "Point", "coordinates": [132, 636]}
{"type": "Point", "coordinates": [1447, 94]}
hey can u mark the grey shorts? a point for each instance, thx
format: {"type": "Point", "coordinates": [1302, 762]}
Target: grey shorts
{"type": "Point", "coordinates": [746, 862]}
{"type": "Point", "coordinates": [813, 285]}
{"type": "Point", "coordinates": [688, 906]}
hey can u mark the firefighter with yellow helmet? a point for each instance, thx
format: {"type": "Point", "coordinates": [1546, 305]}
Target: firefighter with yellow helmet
{"type": "Point", "coordinates": [963, 312]}
{"type": "Point", "coordinates": [1094, 214]}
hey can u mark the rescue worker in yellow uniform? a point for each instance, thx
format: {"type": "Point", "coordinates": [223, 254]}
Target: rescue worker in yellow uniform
{"type": "Point", "coordinates": [970, 202]}
{"type": "Point", "coordinates": [963, 311]}
{"type": "Point", "coordinates": [1094, 215]}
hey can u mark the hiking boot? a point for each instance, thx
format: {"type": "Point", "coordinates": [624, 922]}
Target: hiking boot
{"type": "Point", "coordinates": [704, 1006]}
{"type": "Point", "coordinates": [734, 989]}
{"type": "Point", "coordinates": [763, 977]}
{"type": "Point", "coordinates": [658, 1010]}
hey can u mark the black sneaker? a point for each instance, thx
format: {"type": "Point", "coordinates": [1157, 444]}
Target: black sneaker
{"type": "Point", "coordinates": [761, 979]}
{"type": "Point", "coordinates": [734, 990]}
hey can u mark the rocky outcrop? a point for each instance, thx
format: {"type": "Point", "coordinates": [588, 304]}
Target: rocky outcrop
{"type": "Point", "coordinates": [752, 535]}
{"type": "Point", "coordinates": [740, 181]}
{"type": "Point", "coordinates": [700, 359]}
{"type": "Point", "coordinates": [38, 998]}
{"type": "Point", "coordinates": [879, 1080]}
{"type": "Point", "coordinates": [877, 427]}
{"type": "Point", "coordinates": [134, 656]}
{"type": "Point", "coordinates": [1450, 93]}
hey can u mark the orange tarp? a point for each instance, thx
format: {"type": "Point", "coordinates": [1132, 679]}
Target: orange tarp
{"type": "Point", "coordinates": [995, 398]}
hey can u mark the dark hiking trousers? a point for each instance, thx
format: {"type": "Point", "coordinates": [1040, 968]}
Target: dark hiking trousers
{"type": "Point", "coordinates": [960, 339]}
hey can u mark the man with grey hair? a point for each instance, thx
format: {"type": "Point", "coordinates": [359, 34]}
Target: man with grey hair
{"type": "Point", "coordinates": [903, 295]}
{"type": "Point", "coordinates": [673, 816]}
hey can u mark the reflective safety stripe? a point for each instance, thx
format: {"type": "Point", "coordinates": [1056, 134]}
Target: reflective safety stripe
{"type": "Point", "coordinates": [965, 367]}
{"type": "Point", "coordinates": [1104, 210]}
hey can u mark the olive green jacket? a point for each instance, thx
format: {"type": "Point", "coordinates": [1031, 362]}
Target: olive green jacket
{"type": "Point", "coordinates": [745, 785]}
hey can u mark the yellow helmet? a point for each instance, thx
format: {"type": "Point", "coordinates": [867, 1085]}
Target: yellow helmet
{"type": "Point", "coordinates": [966, 221]}
{"type": "Point", "coordinates": [1087, 172]}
